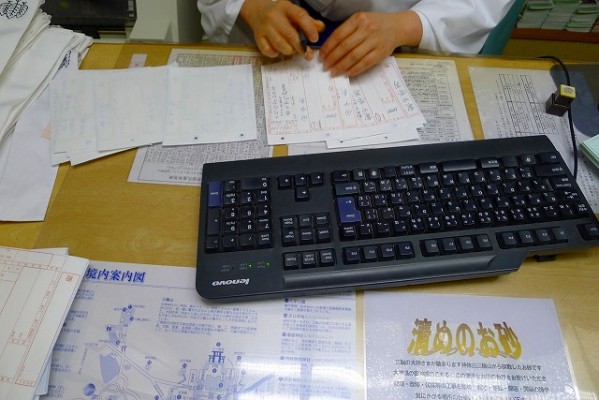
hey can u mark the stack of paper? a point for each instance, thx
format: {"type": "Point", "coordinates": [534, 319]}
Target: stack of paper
{"type": "Point", "coordinates": [304, 103]}
{"type": "Point", "coordinates": [584, 18]}
{"type": "Point", "coordinates": [590, 148]}
{"type": "Point", "coordinates": [37, 289]}
{"type": "Point", "coordinates": [99, 112]}
{"type": "Point", "coordinates": [534, 13]}
{"type": "Point", "coordinates": [561, 13]}
{"type": "Point", "coordinates": [31, 54]}
{"type": "Point", "coordinates": [571, 15]}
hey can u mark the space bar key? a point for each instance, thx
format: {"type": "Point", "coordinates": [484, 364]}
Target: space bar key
{"type": "Point", "coordinates": [395, 273]}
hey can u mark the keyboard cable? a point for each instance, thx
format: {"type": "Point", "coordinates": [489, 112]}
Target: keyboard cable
{"type": "Point", "coordinates": [570, 122]}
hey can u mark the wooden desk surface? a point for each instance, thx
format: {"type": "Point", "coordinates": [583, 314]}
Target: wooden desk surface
{"type": "Point", "coordinates": [98, 215]}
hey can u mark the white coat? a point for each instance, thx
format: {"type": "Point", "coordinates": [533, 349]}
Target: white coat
{"type": "Point", "coordinates": [456, 26]}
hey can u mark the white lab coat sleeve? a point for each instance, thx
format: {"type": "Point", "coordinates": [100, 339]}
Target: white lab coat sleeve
{"type": "Point", "coordinates": [218, 18]}
{"type": "Point", "coordinates": [458, 26]}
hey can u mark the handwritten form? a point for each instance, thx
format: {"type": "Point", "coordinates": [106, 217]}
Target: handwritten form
{"type": "Point", "coordinates": [511, 103]}
{"type": "Point", "coordinates": [435, 86]}
{"type": "Point", "coordinates": [36, 292]}
{"type": "Point", "coordinates": [303, 103]}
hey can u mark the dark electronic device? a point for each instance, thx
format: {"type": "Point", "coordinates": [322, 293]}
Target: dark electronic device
{"type": "Point", "coordinates": [308, 224]}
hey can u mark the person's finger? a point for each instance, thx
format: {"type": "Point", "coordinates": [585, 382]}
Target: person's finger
{"type": "Point", "coordinates": [306, 28]}
{"type": "Point", "coordinates": [366, 62]}
{"type": "Point", "coordinates": [338, 37]}
{"type": "Point", "coordinates": [347, 52]}
{"type": "Point", "coordinates": [351, 59]}
{"type": "Point", "coordinates": [265, 47]}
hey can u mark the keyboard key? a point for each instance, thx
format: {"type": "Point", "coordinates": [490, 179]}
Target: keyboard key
{"type": "Point", "coordinates": [387, 251]}
{"type": "Point", "coordinates": [229, 242]}
{"type": "Point", "coordinates": [288, 237]}
{"type": "Point", "coordinates": [288, 222]}
{"type": "Point", "coordinates": [369, 254]}
{"type": "Point", "coordinates": [247, 241]}
{"type": "Point", "coordinates": [284, 182]}
{"type": "Point", "coordinates": [264, 240]}
{"type": "Point", "coordinates": [305, 220]}
{"type": "Point", "coordinates": [309, 259]}
{"type": "Point", "coordinates": [291, 261]}
{"type": "Point", "coordinates": [316, 179]}
{"type": "Point", "coordinates": [466, 244]}
{"type": "Point", "coordinates": [430, 248]}
{"type": "Point", "coordinates": [300, 180]}
{"type": "Point", "coordinates": [559, 234]}
{"type": "Point", "coordinates": [448, 246]}
{"type": "Point", "coordinates": [351, 255]}
{"type": "Point", "coordinates": [212, 244]}
{"type": "Point", "coordinates": [213, 221]}
{"type": "Point", "coordinates": [347, 188]}
{"type": "Point", "coordinates": [526, 238]}
{"type": "Point", "coordinates": [484, 242]}
{"type": "Point", "coordinates": [323, 234]}
{"type": "Point", "coordinates": [547, 170]}
{"type": "Point", "coordinates": [507, 240]}
{"type": "Point", "coordinates": [322, 219]}
{"type": "Point", "coordinates": [346, 207]}
{"type": "Point", "coordinates": [348, 232]}
{"type": "Point", "coordinates": [543, 236]}
{"type": "Point", "coordinates": [327, 258]}
{"type": "Point", "coordinates": [589, 231]}
{"type": "Point", "coordinates": [302, 194]}
{"type": "Point", "coordinates": [340, 176]}
{"type": "Point", "coordinates": [215, 194]}
{"type": "Point", "coordinates": [254, 183]}
{"type": "Point", "coordinates": [306, 236]}
{"type": "Point", "coordinates": [405, 250]}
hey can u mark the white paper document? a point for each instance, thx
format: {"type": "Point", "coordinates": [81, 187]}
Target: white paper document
{"type": "Point", "coordinates": [98, 112]}
{"type": "Point", "coordinates": [435, 86]}
{"type": "Point", "coordinates": [182, 165]}
{"type": "Point", "coordinates": [303, 103]}
{"type": "Point", "coordinates": [27, 176]}
{"type": "Point", "coordinates": [463, 347]}
{"type": "Point", "coordinates": [36, 291]}
{"type": "Point", "coordinates": [511, 103]}
{"type": "Point", "coordinates": [128, 106]}
{"type": "Point", "coordinates": [142, 332]}
{"type": "Point", "coordinates": [210, 105]}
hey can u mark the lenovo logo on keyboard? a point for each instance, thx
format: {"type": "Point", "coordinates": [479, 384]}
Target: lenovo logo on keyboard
{"type": "Point", "coordinates": [229, 282]}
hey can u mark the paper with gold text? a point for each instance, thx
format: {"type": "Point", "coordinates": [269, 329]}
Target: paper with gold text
{"type": "Point", "coordinates": [463, 347]}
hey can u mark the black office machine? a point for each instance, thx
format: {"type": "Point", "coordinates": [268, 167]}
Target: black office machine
{"type": "Point", "coordinates": [385, 217]}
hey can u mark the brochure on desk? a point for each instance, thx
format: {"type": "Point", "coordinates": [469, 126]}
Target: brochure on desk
{"type": "Point", "coordinates": [463, 347]}
{"type": "Point", "coordinates": [142, 332]}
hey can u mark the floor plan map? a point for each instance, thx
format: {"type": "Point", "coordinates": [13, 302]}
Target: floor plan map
{"type": "Point", "coordinates": [142, 332]}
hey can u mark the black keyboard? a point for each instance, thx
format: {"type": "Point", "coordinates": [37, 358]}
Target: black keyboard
{"type": "Point", "coordinates": [306, 224]}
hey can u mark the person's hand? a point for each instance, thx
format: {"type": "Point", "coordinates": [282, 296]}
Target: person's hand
{"type": "Point", "coordinates": [275, 25]}
{"type": "Point", "coordinates": [366, 38]}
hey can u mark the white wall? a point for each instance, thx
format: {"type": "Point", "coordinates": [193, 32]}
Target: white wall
{"type": "Point", "coordinates": [167, 21]}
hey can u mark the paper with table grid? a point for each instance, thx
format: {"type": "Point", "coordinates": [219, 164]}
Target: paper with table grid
{"type": "Point", "coordinates": [36, 292]}
{"type": "Point", "coordinates": [303, 103]}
